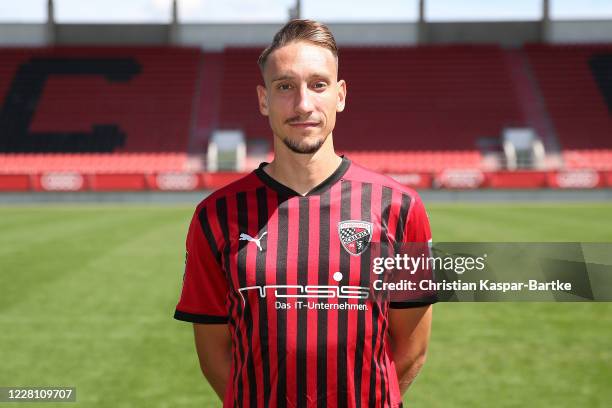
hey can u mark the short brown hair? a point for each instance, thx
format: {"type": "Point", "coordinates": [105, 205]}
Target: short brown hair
{"type": "Point", "coordinates": [300, 30]}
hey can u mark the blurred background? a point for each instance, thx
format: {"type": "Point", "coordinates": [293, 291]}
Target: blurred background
{"type": "Point", "coordinates": [117, 117]}
{"type": "Point", "coordinates": [159, 95]}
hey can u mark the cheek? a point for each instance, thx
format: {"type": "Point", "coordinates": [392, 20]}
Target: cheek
{"type": "Point", "coordinates": [330, 104]}
{"type": "Point", "coordinates": [279, 107]}
{"type": "Point", "coordinates": [331, 120]}
{"type": "Point", "coordinates": [330, 110]}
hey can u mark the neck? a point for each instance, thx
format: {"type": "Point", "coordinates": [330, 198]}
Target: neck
{"type": "Point", "coordinates": [302, 172]}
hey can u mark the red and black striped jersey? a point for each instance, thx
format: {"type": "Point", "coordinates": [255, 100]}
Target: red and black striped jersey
{"type": "Point", "coordinates": [285, 272]}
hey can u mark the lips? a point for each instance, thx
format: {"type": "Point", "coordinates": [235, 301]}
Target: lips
{"type": "Point", "coordinates": [304, 124]}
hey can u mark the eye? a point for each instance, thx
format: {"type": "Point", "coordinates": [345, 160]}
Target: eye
{"type": "Point", "coordinates": [283, 87]}
{"type": "Point", "coordinates": [320, 85]}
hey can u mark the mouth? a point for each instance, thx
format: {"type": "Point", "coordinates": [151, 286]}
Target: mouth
{"type": "Point", "coordinates": [304, 124]}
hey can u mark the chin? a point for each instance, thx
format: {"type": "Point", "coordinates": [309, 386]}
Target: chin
{"type": "Point", "coordinates": [304, 147]}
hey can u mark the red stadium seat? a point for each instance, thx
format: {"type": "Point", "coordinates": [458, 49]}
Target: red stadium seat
{"type": "Point", "coordinates": [588, 159]}
{"type": "Point", "coordinates": [573, 97]}
{"type": "Point", "coordinates": [96, 163]}
{"type": "Point", "coordinates": [152, 105]}
{"type": "Point", "coordinates": [404, 98]}
{"type": "Point", "coordinates": [417, 161]}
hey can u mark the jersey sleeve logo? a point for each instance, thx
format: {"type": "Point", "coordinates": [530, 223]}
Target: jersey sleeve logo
{"type": "Point", "coordinates": [355, 235]}
{"type": "Point", "coordinates": [257, 241]}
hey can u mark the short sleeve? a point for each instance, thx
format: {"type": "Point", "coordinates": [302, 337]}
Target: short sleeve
{"type": "Point", "coordinates": [417, 226]}
{"type": "Point", "coordinates": [417, 230]}
{"type": "Point", "coordinates": [204, 293]}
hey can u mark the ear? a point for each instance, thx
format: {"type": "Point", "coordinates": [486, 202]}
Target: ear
{"type": "Point", "coordinates": [341, 95]}
{"type": "Point", "coordinates": [262, 96]}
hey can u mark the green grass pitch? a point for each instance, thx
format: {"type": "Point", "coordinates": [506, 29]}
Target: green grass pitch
{"type": "Point", "coordinates": [87, 295]}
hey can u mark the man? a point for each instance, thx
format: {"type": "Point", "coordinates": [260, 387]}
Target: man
{"type": "Point", "coordinates": [277, 262]}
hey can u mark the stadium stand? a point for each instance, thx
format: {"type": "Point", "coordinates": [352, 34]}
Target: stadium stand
{"type": "Point", "coordinates": [209, 99]}
{"type": "Point", "coordinates": [97, 99]}
{"type": "Point", "coordinates": [426, 98]}
{"type": "Point", "coordinates": [238, 107]}
{"type": "Point", "coordinates": [425, 161]}
{"type": "Point", "coordinates": [137, 118]}
{"type": "Point", "coordinates": [98, 163]}
{"type": "Point", "coordinates": [591, 159]}
{"type": "Point", "coordinates": [575, 81]}
{"type": "Point", "coordinates": [417, 98]}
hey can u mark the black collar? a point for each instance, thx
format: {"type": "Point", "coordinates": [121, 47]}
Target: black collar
{"type": "Point", "coordinates": [321, 188]}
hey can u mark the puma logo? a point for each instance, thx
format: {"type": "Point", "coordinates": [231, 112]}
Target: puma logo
{"type": "Point", "coordinates": [247, 237]}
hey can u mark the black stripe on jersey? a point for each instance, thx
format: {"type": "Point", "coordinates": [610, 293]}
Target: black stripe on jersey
{"type": "Point", "coordinates": [302, 324]}
{"type": "Point", "coordinates": [373, 371]}
{"type": "Point", "coordinates": [243, 226]}
{"type": "Point", "coordinates": [199, 318]}
{"type": "Point", "coordinates": [385, 211]}
{"type": "Point", "coordinates": [224, 225]}
{"type": "Point", "coordinates": [236, 351]}
{"type": "Point", "coordinates": [260, 261]}
{"type": "Point", "coordinates": [281, 318]}
{"type": "Point", "coordinates": [204, 318]}
{"type": "Point", "coordinates": [221, 205]}
{"type": "Point", "coordinates": [364, 278]}
{"type": "Point", "coordinates": [210, 237]}
{"type": "Point", "coordinates": [399, 237]}
{"type": "Point", "coordinates": [385, 384]}
{"type": "Point", "coordinates": [385, 396]}
{"type": "Point", "coordinates": [322, 314]}
{"type": "Point", "coordinates": [401, 220]}
{"type": "Point", "coordinates": [345, 214]}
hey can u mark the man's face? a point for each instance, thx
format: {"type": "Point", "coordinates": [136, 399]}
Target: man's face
{"type": "Point", "coordinates": [302, 95]}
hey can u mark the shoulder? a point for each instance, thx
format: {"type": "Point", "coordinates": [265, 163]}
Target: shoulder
{"type": "Point", "coordinates": [361, 174]}
{"type": "Point", "coordinates": [222, 195]}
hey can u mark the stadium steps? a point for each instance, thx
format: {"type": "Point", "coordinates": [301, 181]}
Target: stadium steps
{"type": "Point", "coordinates": [209, 100]}
{"type": "Point", "coordinates": [531, 101]}
{"type": "Point", "coordinates": [573, 96]}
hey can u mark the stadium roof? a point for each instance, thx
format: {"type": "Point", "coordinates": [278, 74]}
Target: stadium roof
{"type": "Point", "coordinates": [277, 10]}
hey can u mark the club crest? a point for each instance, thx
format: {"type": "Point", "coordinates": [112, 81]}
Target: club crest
{"type": "Point", "coordinates": [355, 235]}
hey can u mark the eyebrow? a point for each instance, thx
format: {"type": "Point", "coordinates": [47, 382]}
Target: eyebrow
{"type": "Point", "coordinates": [289, 77]}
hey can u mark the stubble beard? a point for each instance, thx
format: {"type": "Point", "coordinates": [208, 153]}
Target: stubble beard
{"type": "Point", "coordinates": [303, 148]}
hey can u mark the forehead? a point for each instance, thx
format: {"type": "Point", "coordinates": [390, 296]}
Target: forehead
{"type": "Point", "coordinates": [300, 59]}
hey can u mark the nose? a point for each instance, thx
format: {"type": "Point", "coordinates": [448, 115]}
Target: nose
{"type": "Point", "coordinates": [303, 104]}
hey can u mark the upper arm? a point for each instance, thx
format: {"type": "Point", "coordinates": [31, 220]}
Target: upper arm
{"type": "Point", "coordinates": [409, 331]}
{"type": "Point", "coordinates": [415, 243]}
{"type": "Point", "coordinates": [214, 348]}
{"type": "Point", "coordinates": [205, 288]}
{"type": "Point", "coordinates": [212, 340]}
